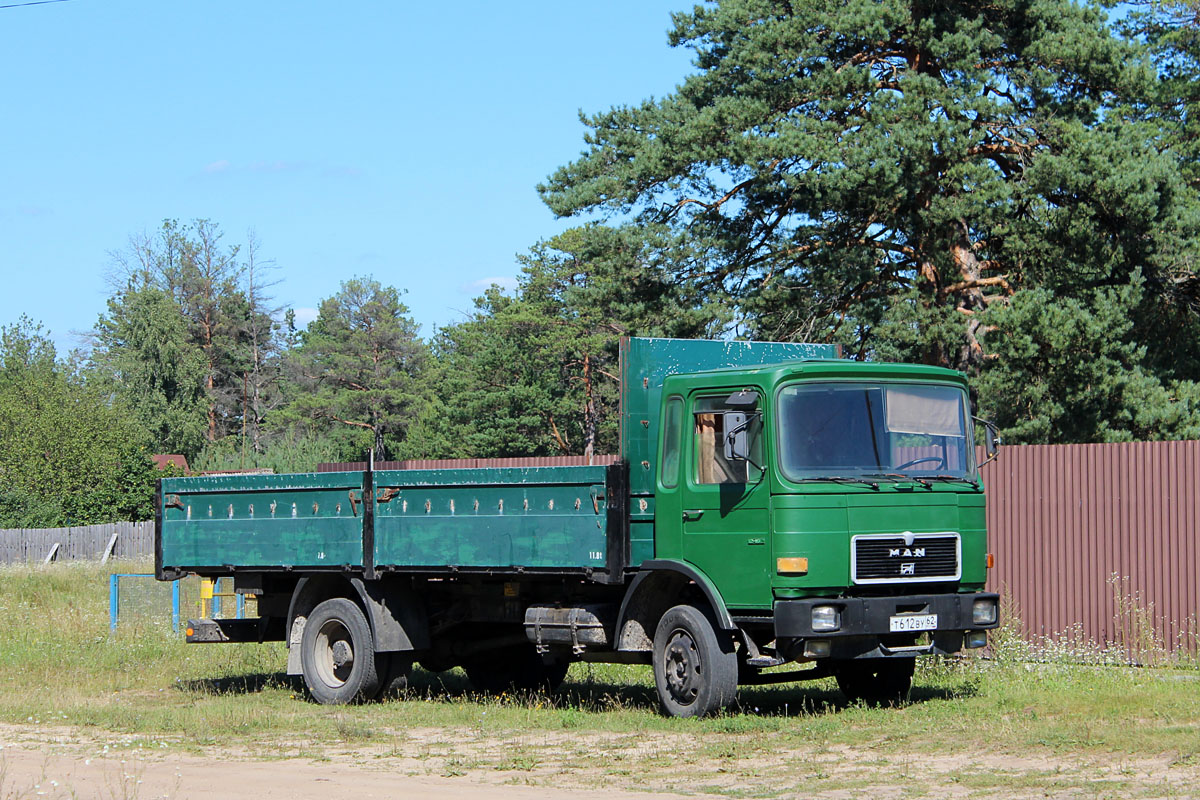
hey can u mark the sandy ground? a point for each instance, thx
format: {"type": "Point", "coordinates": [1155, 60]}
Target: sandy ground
{"type": "Point", "coordinates": [30, 773]}
{"type": "Point", "coordinates": [61, 763]}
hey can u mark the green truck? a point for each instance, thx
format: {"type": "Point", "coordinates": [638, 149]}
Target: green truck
{"type": "Point", "coordinates": [771, 503]}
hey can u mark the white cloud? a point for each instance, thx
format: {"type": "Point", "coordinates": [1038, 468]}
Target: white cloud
{"type": "Point", "coordinates": [505, 282]}
{"type": "Point", "coordinates": [217, 166]}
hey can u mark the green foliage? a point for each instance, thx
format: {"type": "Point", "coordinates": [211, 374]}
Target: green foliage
{"type": "Point", "coordinates": [995, 187]}
{"type": "Point", "coordinates": [1171, 28]}
{"type": "Point", "coordinates": [144, 351]}
{"type": "Point", "coordinates": [291, 450]}
{"type": "Point", "coordinates": [21, 508]}
{"type": "Point", "coordinates": [536, 373]}
{"type": "Point", "coordinates": [1066, 370]}
{"type": "Point", "coordinates": [67, 454]}
{"type": "Point", "coordinates": [831, 157]}
{"type": "Point", "coordinates": [25, 348]}
{"type": "Point", "coordinates": [220, 295]}
{"type": "Point", "coordinates": [886, 174]}
{"type": "Point", "coordinates": [359, 367]}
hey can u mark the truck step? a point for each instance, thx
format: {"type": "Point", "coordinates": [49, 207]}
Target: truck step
{"type": "Point", "coordinates": [763, 662]}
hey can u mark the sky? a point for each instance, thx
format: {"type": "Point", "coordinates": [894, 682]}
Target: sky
{"type": "Point", "coordinates": [398, 140]}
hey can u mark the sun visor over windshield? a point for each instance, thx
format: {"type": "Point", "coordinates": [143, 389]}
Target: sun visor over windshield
{"type": "Point", "coordinates": [930, 410]}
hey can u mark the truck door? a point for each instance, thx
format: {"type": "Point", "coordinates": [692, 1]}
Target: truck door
{"type": "Point", "coordinates": [725, 506]}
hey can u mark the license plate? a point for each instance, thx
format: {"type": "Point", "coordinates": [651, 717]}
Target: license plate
{"type": "Point", "coordinates": [913, 622]}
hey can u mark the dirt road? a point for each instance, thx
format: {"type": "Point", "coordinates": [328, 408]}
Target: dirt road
{"type": "Point", "coordinates": [79, 763]}
{"type": "Point", "coordinates": [32, 773]}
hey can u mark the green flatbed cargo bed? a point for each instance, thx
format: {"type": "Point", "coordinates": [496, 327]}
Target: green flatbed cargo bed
{"type": "Point", "coordinates": [513, 519]}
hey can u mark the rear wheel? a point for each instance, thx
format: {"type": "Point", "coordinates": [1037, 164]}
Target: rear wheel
{"type": "Point", "coordinates": [876, 681]}
{"type": "Point", "coordinates": [521, 668]}
{"type": "Point", "coordinates": [337, 654]}
{"type": "Point", "coordinates": [695, 666]}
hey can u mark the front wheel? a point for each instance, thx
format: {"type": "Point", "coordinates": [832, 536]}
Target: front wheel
{"type": "Point", "coordinates": [876, 681]}
{"type": "Point", "coordinates": [337, 654]}
{"type": "Point", "coordinates": [695, 666]}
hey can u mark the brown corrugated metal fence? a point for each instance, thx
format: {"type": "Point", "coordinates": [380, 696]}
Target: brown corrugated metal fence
{"type": "Point", "coordinates": [464, 463]}
{"type": "Point", "coordinates": [1099, 541]}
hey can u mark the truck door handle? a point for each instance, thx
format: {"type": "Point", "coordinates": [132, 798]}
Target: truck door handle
{"type": "Point", "coordinates": [693, 514]}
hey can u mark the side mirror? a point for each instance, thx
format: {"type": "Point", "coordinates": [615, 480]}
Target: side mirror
{"type": "Point", "coordinates": [737, 436]}
{"type": "Point", "coordinates": [991, 441]}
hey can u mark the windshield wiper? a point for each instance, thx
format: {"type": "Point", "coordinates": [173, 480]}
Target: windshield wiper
{"type": "Point", "coordinates": [974, 484]}
{"type": "Point", "coordinates": [900, 476]}
{"type": "Point", "coordinates": [844, 479]}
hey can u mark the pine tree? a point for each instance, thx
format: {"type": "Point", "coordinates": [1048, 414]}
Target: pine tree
{"type": "Point", "coordinates": [359, 364]}
{"type": "Point", "coordinates": [144, 353]}
{"type": "Point", "coordinates": [892, 176]}
{"type": "Point", "coordinates": [536, 372]}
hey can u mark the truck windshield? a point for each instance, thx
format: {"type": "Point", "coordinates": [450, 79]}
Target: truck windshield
{"type": "Point", "coordinates": [880, 429]}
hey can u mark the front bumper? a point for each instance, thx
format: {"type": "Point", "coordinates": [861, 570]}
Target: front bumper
{"type": "Point", "coordinates": [865, 630]}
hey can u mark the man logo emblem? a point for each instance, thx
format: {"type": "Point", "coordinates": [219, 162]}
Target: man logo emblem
{"type": "Point", "coordinates": [908, 569]}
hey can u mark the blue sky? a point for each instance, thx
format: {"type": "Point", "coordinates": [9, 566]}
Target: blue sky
{"type": "Point", "coordinates": [398, 140]}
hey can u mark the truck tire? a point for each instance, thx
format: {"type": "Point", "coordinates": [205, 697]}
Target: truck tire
{"type": "Point", "coordinates": [695, 666]}
{"type": "Point", "coordinates": [337, 654]}
{"type": "Point", "coordinates": [876, 681]}
{"type": "Point", "coordinates": [521, 668]}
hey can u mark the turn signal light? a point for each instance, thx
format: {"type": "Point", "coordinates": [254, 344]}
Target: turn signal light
{"type": "Point", "coordinates": [975, 639]}
{"type": "Point", "coordinates": [797, 565]}
{"type": "Point", "coordinates": [191, 632]}
{"type": "Point", "coordinates": [991, 560]}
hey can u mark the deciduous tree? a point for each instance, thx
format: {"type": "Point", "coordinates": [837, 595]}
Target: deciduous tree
{"type": "Point", "coordinates": [68, 453]}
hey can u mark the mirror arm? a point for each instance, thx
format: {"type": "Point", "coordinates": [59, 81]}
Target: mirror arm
{"type": "Point", "coordinates": [729, 437]}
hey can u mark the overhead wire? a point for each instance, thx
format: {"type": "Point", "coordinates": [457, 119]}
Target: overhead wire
{"type": "Point", "coordinates": [32, 3]}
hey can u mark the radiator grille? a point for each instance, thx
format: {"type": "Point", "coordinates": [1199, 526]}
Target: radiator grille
{"type": "Point", "coordinates": [927, 557]}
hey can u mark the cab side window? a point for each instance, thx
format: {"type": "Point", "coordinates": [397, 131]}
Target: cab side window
{"type": "Point", "coordinates": [671, 442]}
{"type": "Point", "coordinates": [709, 445]}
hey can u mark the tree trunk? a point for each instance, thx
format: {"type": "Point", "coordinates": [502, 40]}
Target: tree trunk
{"type": "Point", "coordinates": [377, 428]}
{"type": "Point", "coordinates": [589, 411]}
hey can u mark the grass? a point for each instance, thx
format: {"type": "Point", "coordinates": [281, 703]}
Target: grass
{"type": "Point", "coordinates": [975, 726]}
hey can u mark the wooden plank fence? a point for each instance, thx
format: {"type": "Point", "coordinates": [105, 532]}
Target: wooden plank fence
{"type": "Point", "coordinates": [133, 540]}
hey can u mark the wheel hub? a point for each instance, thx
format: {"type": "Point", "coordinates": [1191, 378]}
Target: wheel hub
{"type": "Point", "coordinates": [342, 654]}
{"type": "Point", "coordinates": [682, 668]}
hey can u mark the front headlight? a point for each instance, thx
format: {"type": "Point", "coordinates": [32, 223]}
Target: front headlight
{"type": "Point", "coordinates": [983, 612]}
{"type": "Point", "coordinates": [826, 618]}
